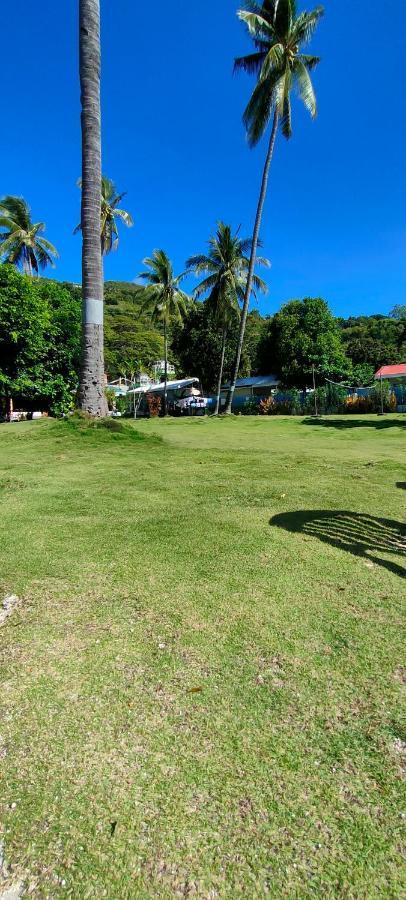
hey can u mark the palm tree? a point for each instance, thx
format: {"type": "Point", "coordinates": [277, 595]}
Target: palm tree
{"type": "Point", "coordinates": [92, 398]}
{"type": "Point", "coordinates": [164, 301]}
{"type": "Point", "coordinates": [109, 213]}
{"type": "Point", "coordinates": [225, 266]}
{"type": "Point", "coordinates": [278, 33]}
{"type": "Point", "coordinates": [21, 241]}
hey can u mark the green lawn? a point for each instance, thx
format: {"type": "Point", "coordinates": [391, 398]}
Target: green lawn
{"type": "Point", "coordinates": [201, 689]}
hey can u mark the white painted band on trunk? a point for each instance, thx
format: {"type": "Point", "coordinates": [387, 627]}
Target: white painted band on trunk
{"type": "Point", "coordinates": [93, 311]}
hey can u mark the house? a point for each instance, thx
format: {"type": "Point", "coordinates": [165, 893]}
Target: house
{"type": "Point", "coordinates": [255, 387]}
{"type": "Point", "coordinates": [159, 369]}
{"type": "Point", "coordinates": [392, 373]}
{"type": "Point", "coordinates": [396, 375]}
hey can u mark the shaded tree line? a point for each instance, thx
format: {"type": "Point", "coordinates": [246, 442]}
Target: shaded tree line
{"type": "Point", "coordinates": [40, 336]}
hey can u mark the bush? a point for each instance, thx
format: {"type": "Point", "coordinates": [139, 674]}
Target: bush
{"type": "Point", "coordinates": [266, 407]}
{"type": "Point", "coordinates": [251, 408]}
{"type": "Point", "coordinates": [282, 405]}
{"type": "Point", "coordinates": [373, 401]}
{"type": "Point", "coordinates": [154, 405]}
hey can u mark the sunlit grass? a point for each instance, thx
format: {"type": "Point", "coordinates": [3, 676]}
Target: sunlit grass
{"type": "Point", "coordinates": [202, 692]}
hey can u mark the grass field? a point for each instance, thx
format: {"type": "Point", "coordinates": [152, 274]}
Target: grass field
{"type": "Point", "coordinates": [201, 688]}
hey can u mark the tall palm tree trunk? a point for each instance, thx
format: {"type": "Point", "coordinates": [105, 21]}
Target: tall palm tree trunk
{"type": "Point", "coordinates": [27, 265]}
{"type": "Point", "coordinates": [220, 378]}
{"type": "Point", "coordinates": [251, 270]}
{"type": "Point", "coordinates": [165, 369]}
{"type": "Point", "coordinates": [92, 398]}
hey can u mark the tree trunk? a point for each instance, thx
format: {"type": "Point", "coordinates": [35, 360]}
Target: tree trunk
{"type": "Point", "coordinates": [223, 353]}
{"type": "Point", "coordinates": [27, 265]}
{"type": "Point", "coordinates": [251, 270]}
{"type": "Point", "coordinates": [166, 369]}
{"type": "Point", "coordinates": [92, 397]}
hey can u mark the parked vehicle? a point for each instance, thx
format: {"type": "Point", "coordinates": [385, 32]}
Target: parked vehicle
{"type": "Point", "coordinates": [183, 398]}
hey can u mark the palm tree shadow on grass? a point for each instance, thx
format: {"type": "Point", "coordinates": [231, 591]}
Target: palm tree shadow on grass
{"type": "Point", "coordinates": [357, 533]}
{"type": "Point", "coordinates": [351, 422]}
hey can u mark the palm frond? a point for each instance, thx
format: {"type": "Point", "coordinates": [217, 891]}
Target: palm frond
{"type": "Point", "coordinates": [310, 61]}
{"type": "Point", "coordinates": [305, 25]}
{"type": "Point", "coordinates": [277, 32]}
{"type": "Point", "coordinates": [305, 87]}
{"type": "Point", "coordinates": [208, 284]}
{"type": "Point", "coordinates": [257, 24]}
{"type": "Point", "coordinates": [17, 209]}
{"type": "Point", "coordinates": [252, 63]}
{"type": "Point", "coordinates": [260, 285]}
{"type": "Point", "coordinates": [283, 18]}
{"type": "Point", "coordinates": [259, 108]}
{"type": "Point", "coordinates": [125, 217]}
{"type": "Point", "coordinates": [48, 247]}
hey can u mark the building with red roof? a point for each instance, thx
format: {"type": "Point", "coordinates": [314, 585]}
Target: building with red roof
{"type": "Point", "coordinates": [392, 372]}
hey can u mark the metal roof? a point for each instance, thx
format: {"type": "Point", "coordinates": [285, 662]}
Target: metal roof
{"type": "Point", "coordinates": [170, 386]}
{"type": "Point", "coordinates": [398, 371]}
{"type": "Point", "coordinates": [257, 381]}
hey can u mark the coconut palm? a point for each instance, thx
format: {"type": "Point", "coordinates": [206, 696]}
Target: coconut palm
{"type": "Point", "coordinates": [21, 241]}
{"type": "Point", "coordinates": [225, 266]}
{"type": "Point", "coordinates": [278, 33]}
{"type": "Point", "coordinates": [92, 399]}
{"type": "Point", "coordinates": [110, 212]}
{"type": "Point", "coordinates": [164, 301]}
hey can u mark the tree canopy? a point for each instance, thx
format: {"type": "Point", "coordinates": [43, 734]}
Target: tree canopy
{"type": "Point", "coordinates": [21, 240]}
{"type": "Point", "coordinates": [301, 335]}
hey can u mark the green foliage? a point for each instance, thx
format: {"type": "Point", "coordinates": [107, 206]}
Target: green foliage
{"type": "Point", "coordinates": [197, 346]}
{"type": "Point", "coordinates": [110, 397]}
{"type": "Point", "coordinates": [226, 268]}
{"type": "Point", "coordinates": [304, 333]}
{"type": "Point", "coordinates": [132, 342]}
{"type": "Point", "coordinates": [379, 399]}
{"type": "Point", "coordinates": [110, 212]}
{"type": "Point", "coordinates": [362, 374]}
{"type": "Point", "coordinates": [163, 299]}
{"type": "Point", "coordinates": [278, 35]}
{"type": "Point", "coordinates": [39, 341]}
{"type": "Point", "coordinates": [398, 312]}
{"type": "Point", "coordinates": [21, 241]}
{"type": "Point", "coordinates": [251, 408]}
{"type": "Point", "coordinates": [374, 340]}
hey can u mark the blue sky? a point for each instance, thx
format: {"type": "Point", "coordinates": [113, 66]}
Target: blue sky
{"type": "Point", "coordinates": [334, 224]}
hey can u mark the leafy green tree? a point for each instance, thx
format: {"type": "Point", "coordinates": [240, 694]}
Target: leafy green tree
{"type": "Point", "coordinates": [21, 240]}
{"type": "Point", "coordinates": [132, 342]}
{"type": "Point", "coordinates": [278, 34]}
{"type": "Point", "coordinates": [110, 212]}
{"type": "Point", "coordinates": [303, 335]}
{"type": "Point", "coordinates": [374, 340]}
{"type": "Point", "coordinates": [92, 396]}
{"type": "Point", "coordinates": [196, 346]}
{"type": "Point", "coordinates": [398, 311]}
{"type": "Point", "coordinates": [163, 299]}
{"type": "Point", "coordinates": [40, 325]}
{"type": "Point", "coordinates": [362, 375]}
{"type": "Point", "coordinates": [225, 266]}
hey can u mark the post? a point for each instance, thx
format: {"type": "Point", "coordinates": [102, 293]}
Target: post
{"type": "Point", "coordinates": [382, 410]}
{"type": "Point", "coordinates": [316, 410]}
